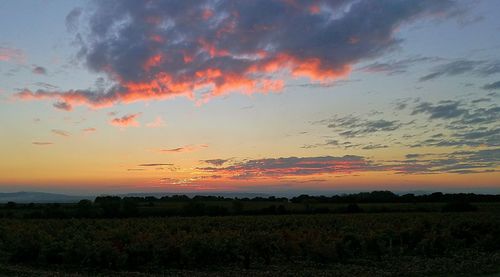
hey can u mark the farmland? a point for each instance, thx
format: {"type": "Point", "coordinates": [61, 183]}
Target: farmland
{"type": "Point", "coordinates": [376, 238]}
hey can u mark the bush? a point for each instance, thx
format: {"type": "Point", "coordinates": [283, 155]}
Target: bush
{"type": "Point", "coordinates": [459, 207]}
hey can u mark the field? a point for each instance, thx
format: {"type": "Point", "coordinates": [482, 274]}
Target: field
{"type": "Point", "coordinates": [379, 239]}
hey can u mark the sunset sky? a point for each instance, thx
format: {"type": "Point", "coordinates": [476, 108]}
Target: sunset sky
{"type": "Point", "coordinates": [257, 96]}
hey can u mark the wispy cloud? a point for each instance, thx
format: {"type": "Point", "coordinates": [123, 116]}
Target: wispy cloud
{"type": "Point", "coordinates": [155, 164]}
{"type": "Point", "coordinates": [475, 67]}
{"type": "Point", "coordinates": [353, 126]}
{"type": "Point", "coordinates": [8, 54]}
{"type": "Point", "coordinates": [157, 123]}
{"type": "Point", "coordinates": [293, 166]}
{"type": "Point", "coordinates": [62, 106]}
{"type": "Point", "coordinates": [89, 130]}
{"type": "Point", "coordinates": [216, 162]}
{"type": "Point", "coordinates": [458, 162]}
{"type": "Point", "coordinates": [129, 120]}
{"type": "Point", "coordinates": [42, 143]}
{"type": "Point", "coordinates": [60, 133]}
{"type": "Point", "coordinates": [184, 149]}
{"type": "Point", "coordinates": [492, 86]}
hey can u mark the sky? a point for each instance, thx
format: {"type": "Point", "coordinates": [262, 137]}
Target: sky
{"type": "Point", "coordinates": [260, 96]}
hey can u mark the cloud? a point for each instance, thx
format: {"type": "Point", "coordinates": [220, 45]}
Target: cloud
{"type": "Point", "coordinates": [444, 109]}
{"type": "Point", "coordinates": [395, 67]}
{"type": "Point", "coordinates": [446, 123]}
{"type": "Point", "coordinates": [154, 165]}
{"type": "Point", "coordinates": [463, 123]}
{"type": "Point", "coordinates": [479, 68]}
{"type": "Point", "coordinates": [492, 86]}
{"type": "Point", "coordinates": [72, 19]}
{"type": "Point", "coordinates": [89, 130]}
{"type": "Point", "coordinates": [184, 149]}
{"type": "Point", "coordinates": [42, 143]}
{"type": "Point", "coordinates": [62, 106]}
{"type": "Point", "coordinates": [129, 120]}
{"type": "Point", "coordinates": [353, 126]}
{"type": "Point", "coordinates": [45, 85]}
{"type": "Point", "coordinates": [459, 162]}
{"type": "Point", "coordinates": [216, 162]}
{"type": "Point", "coordinates": [374, 146]}
{"type": "Point", "coordinates": [157, 123]}
{"type": "Point", "coordinates": [149, 51]}
{"type": "Point", "coordinates": [293, 166]}
{"type": "Point", "coordinates": [8, 54]}
{"type": "Point", "coordinates": [60, 133]}
{"type": "Point", "coordinates": [481, 100]}
{"type": "Point", "coordinates": [39, 70]}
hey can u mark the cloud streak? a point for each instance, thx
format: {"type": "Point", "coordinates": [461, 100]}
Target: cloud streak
{"type": "Point", "coordinates": [129, 120]}
{"type": "Point", "coordinates": [60, 133]}
{"type": "Point", "coordinates": [42, 143]}
{"type": "Point", "coordinates": [184, 149]}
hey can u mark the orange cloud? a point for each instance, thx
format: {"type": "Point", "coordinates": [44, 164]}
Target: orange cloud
{"type": "Point", "coordinates": [236, 48]}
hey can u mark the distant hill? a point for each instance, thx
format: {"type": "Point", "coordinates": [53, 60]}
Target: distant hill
{"type": "Point", "coordinates": [192, 194]}
{"type": "Point", "coordinates": [45, 197]}
{"type": "Point", "coordinates": [40, 197]}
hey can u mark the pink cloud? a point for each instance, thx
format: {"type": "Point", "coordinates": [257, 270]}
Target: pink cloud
{"type": "Point", "coordinates": [89, 130]}
{"type": "Point", "coordinates": [129, 120]}
{"type": "Point", "coordinates": [12, 55]}
{"type": "Point", "coordinates": [157, 123]}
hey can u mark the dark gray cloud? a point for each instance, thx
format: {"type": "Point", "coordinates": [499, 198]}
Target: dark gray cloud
{"type": "Point", "coordinates": [42, 143]}
{"type": "Point", "coordinates": [72, 19]}
{"type": "Point", "coordinates": [459, 162]}
{"type": "Point", "coordinates": [39, 70]}
{"type": "Point", "coordinates": [374, 146]}
{"type": "Point", "coordinates": [479, 68]}
{"type": "Point", "coordinates": [447, 123]}
{"type": "Point", "coordinates": [62, 106]}
{"type": "Point", "coordinates": [60, 133]}
{"type": "Point", "coordinates": [45, 85]}
{"type": "Point", "coordinates": [155, 164]}
{"type": "Point", "coordinates": [293, 166]}
{"type": "Point", "coordinates": [442, 110]}
{"type": "Point", "coordinates": [216, 162]}
{"type": "Point", "coordinates": [481, 100]}
{"type": "Point", "coordinates": [492, 86]}
{"type": "Point", "coordinates": [466, 123]}
{"type": "Point", "coordinates": [396, 66]}
{"type": "Point", "coordinates": [162, 49]}
{"type": "Point", "coordinates": [353, 126]}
